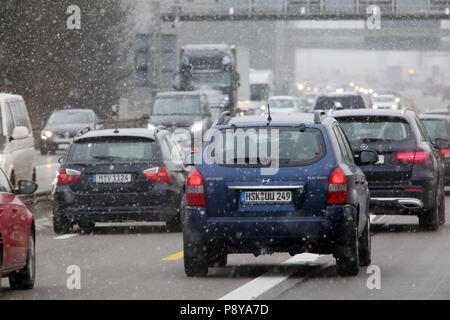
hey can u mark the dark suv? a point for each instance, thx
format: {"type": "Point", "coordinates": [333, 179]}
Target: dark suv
{"type": "Point", "coordinates": [315, 199]}
{"type": "Point", "coordinates": [343, 100]}
{"type": "Point", "coordinates": [119, 175]}
{"type": "Point", "coordinates": [409, 176]}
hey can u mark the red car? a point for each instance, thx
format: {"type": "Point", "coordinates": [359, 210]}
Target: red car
{"type": "Point", "coordinates": [17, 235]}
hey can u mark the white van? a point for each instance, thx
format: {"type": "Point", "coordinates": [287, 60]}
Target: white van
{"type": "Point", "coordinates": [16, 139]}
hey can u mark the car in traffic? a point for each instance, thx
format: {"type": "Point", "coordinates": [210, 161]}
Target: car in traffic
{"type": "Point", "coordinates": [16, 139]}
{"type": "Point", "coordinates": [119, 175]}
{"type": "Point", "coordinates": [438, 128]}
{"type": "Point", "coordinates": [314, 200]}
{"type": "Point", "coordinates": [184, 113]}
{"type": "Point", "coordinates": [63, 125]}
{"type": "Point", "coordinates": [17, 235]}
{"type": "Point", "coordinates": [343, 100]}
{"type": "Point", "coordinates": [283, 104]}
{"type": "Point", "coordinates": [441, 111]}
{"type": "Point", "coordinates": [386, 101]}
{"type": "Point", "coordinates": [408, 178]}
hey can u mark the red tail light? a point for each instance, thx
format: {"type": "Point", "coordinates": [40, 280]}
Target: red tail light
{"type": "Point", "coordinates": [337, 188]}
{"type": "Point", "coordinates": [158, 174]}
{"type": "Point", "coordinates": [195, 190]}
{"type": "Point", "coordinates": [66, 176]}
{"type": "Point", "coordinates": [445, 153]}
{"type": "Point", "coordinates": [415, 157]}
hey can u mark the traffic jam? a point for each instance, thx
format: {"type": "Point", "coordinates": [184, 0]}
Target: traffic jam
{"type": "Point", "coordinates": [224, 188]}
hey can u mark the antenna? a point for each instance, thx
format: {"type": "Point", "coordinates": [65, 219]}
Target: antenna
{"type": "Point", "coordinates": [269, 118]}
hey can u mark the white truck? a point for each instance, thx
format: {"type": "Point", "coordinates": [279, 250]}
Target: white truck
{"type": "Point", "coordinates": [261, 88]}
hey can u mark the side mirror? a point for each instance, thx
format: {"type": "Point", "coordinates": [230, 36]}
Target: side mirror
{"type": "Point", "coordinates": [368, 157]}
{"type": "Point", "coordinates": [20, 133]}
{"type": "Point", "coordinates": [26, 187]}
{"type": "Point", "coordinates": [61, 160]}
{"type": "Point", "coordinates": [441, 143]}
{"type": "Point", "coordinates": [145, 116]}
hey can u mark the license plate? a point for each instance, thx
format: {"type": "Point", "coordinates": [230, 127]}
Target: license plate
{"type": "Point", "coordinates": [112, 178]}
{"type": "Point", "coordinates": [380, 159]}
{"type": "Point", "coordinates": [263, 197]}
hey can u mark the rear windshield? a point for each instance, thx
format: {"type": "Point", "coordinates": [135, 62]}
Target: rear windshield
{"type": "Point", "coordinates": [345, 102]}
{"type": "Point", "coordinates": [437, 128]}
{"type": "Point", "coordinates": [69, 117]}
{"type": "Point", "coordinates": [281, 103]}
{"type": "Point", "coordinates": [375, 129]}
{"type": "Point", "coordinates": [113, 149]}
{"type": "Point", "coordinates": [176, 106]}
{"type": "Point", "coordinates": [249, 146]}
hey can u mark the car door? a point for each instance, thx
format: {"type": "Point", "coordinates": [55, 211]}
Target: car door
{"type": "Point", "coordinates": [12, 227]}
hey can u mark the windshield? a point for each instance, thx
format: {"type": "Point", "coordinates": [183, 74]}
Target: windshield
{"type": "Point", "coordinates": [213, 80]}
{"type": "Point", "coordinates": [437, 128]}
{"type": "Point", "coordinates": [384, 99]}
{"type": "Point", "coordinates": [113, 149]}
{"type": "Point", "coordinates": [346, 102]}
{"type": "Point", "coordinates": [281, 103]}
{"type": "Point", "coordinates": [176, 106]}
{"type": "Point", "coordinates": [69, 117]}
{"type": "Point", "coordinates": [259, 92]}
{"type": "Point", "coordinates": [375, 129]}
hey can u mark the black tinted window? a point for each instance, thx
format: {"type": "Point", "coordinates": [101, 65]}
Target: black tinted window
{"type": "Point", "coordinates": [108, 148]}
{"type": "Point", "coordinates": [437, 128]}
{"type": "Point", "coordinates": [345, 102]}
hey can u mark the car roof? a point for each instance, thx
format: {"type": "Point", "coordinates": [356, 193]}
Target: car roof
{"type": "Point", "coordinates": [72, 110]}
{"type": "Point", "coordinates": [177, 94]}
{"type": "Point", "coordinates": [370, 112]}
{"type": "Point", "coordinates": [278, 119]}
{"type": "Point", "coordinates": [282, 98]}
{"type": "Point", "coordinates": [126, 132]}
{"type": "Point", "coordinates": [434, 116]}
{"type": "Point", "coordinates": [9, 96]}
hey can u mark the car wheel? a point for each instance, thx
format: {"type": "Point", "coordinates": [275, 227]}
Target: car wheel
{"type": "Point", "coordinates": [12, 179]}
{"type": "Point", "coordinates": [61, 224]}
{"type": "Point", "coordinates": [44, 151]}
{"type": "Point", "coordinates": [348, 259]}
{"type": "Point", "coordinates": [429, 219]}
{"type": "Point", "coordinates": [24, 279]}
{"type": "Point", "coordinates": [365, 246]}
{"type": "Point", "coordinates": [174, 223]}
{"type": "Point", "coordinates": [195, 258]}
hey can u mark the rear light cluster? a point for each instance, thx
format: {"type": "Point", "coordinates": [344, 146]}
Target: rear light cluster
{"type": "Point", "coordinates": [445, 153]}
{"type": "Point", "coordinates": [195, 190]}
{"type": "Point", "coordinates": [337, 187]}
{"type": "Point", "coordinates": [66, 176]}
{"type": "Point", "coordinates": [414, 157]}
{"type": "Point", "coordinates": [158, 174]}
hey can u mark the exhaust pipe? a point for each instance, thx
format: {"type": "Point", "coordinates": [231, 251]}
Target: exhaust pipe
{"type": "Point", "coordinates": [411, 203]}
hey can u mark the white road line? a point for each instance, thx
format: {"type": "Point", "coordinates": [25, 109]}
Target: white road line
{"type": "Point", "coordinates": [253, 289]}
{"type": "Point", "coordinates": [65, 236]}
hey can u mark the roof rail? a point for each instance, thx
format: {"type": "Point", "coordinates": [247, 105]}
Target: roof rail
{"type": "Point", "coordinates": [223, 117]}
{"type": "Point", "coordinates": [317, 115]}
{"type": "Point", "coordinates": [406, 109]}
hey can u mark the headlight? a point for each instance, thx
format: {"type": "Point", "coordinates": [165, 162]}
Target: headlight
{"type": "Point", "coordinates": [151, 127]}
{"type": "Point", "coordinates": [46, 134]}
{"type": "Point", "coordinates": [375, 107]}
{"type": "Point", "coordinates": [197, 126]}
{"type": "Point", "coordinates": [395, 106]}
{"type": "Point", "coordinates": [226, 60]}
{"type": "Point", "coordinates": [263, 107]}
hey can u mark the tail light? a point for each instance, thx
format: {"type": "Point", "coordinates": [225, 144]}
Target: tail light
{"type": "Point", "coordinates": [195, 190]}
{"type": "Point", "coordinates": [415, 157]}
{"type": "Point", "coordinates": [337, 187]}
{"type": "Point", "coordinates": [158, 174]}
{"type": "Point", "coordinates": [66, 176]}
{"type": "Point", "coordinates": [445, 153]}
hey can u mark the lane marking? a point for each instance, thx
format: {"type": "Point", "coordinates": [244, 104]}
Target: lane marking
{"type": "Point", "coordinates": [66, 236]}
{"type": "Point", "coordinates": [253, 289]}
{"type": "Point", "coordinates": [174, 256]}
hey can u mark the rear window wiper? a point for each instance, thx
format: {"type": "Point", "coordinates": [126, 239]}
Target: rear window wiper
{"type": "Point", "coordinates": [107, 158]}
{"type": "Point", "coordinates": [376, 140]}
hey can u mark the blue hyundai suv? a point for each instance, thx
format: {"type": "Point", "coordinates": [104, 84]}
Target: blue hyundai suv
{"type": "Point", "coordinates": [287, 183]}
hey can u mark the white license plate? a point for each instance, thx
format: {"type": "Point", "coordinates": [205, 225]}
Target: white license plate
{"type": "Point", "coordinates": [262, 197]}
{"type": "Point", "coordinates": [112, 178]}
{"type": "Point", "coordinates": [380, 159]}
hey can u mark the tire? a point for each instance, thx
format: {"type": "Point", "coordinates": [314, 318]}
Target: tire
{"type": "Point", "coordinates": [365, 246]}
{"type": "Point", "coordinates": [195, 259]}
{"type": "Point", "coordinates": [61, 224]}
{"type": "Point", "coordinates": [348, 260]}
{"type": "Point", "coordinates": [174, 223]}
{"type": "Point", "coordinates": [217, 258]}
{"type": "Point", "coordinates": [24, 279]}
{"type": "Point", "coordinates": [12, 179]}
{"type": "Point", "coordinates": [429, 219]}
{"type": "Point", "coordinates": [34, 176]}
{"type": "Point", "coordinates": [44, 151]}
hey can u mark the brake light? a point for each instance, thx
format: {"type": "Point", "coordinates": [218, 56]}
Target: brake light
{"type": "Point", "coordinates": [158, 174]}
{"type": "Point", "coordinates": [337, 187]}
{"type": "Point", "coordinates": [66, 176]}
{"type": "Point", "coordinates": [445, 153]}
{"type": "Point", "coordinates": [195, 190]}
{"type": "Point", "coordinates": [415, 157]}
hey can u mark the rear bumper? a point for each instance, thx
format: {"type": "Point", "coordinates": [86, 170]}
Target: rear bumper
{"type": "Point", "coordinates": [397, 201]}
{"type": "Point", "coordinates": [276, 234]}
